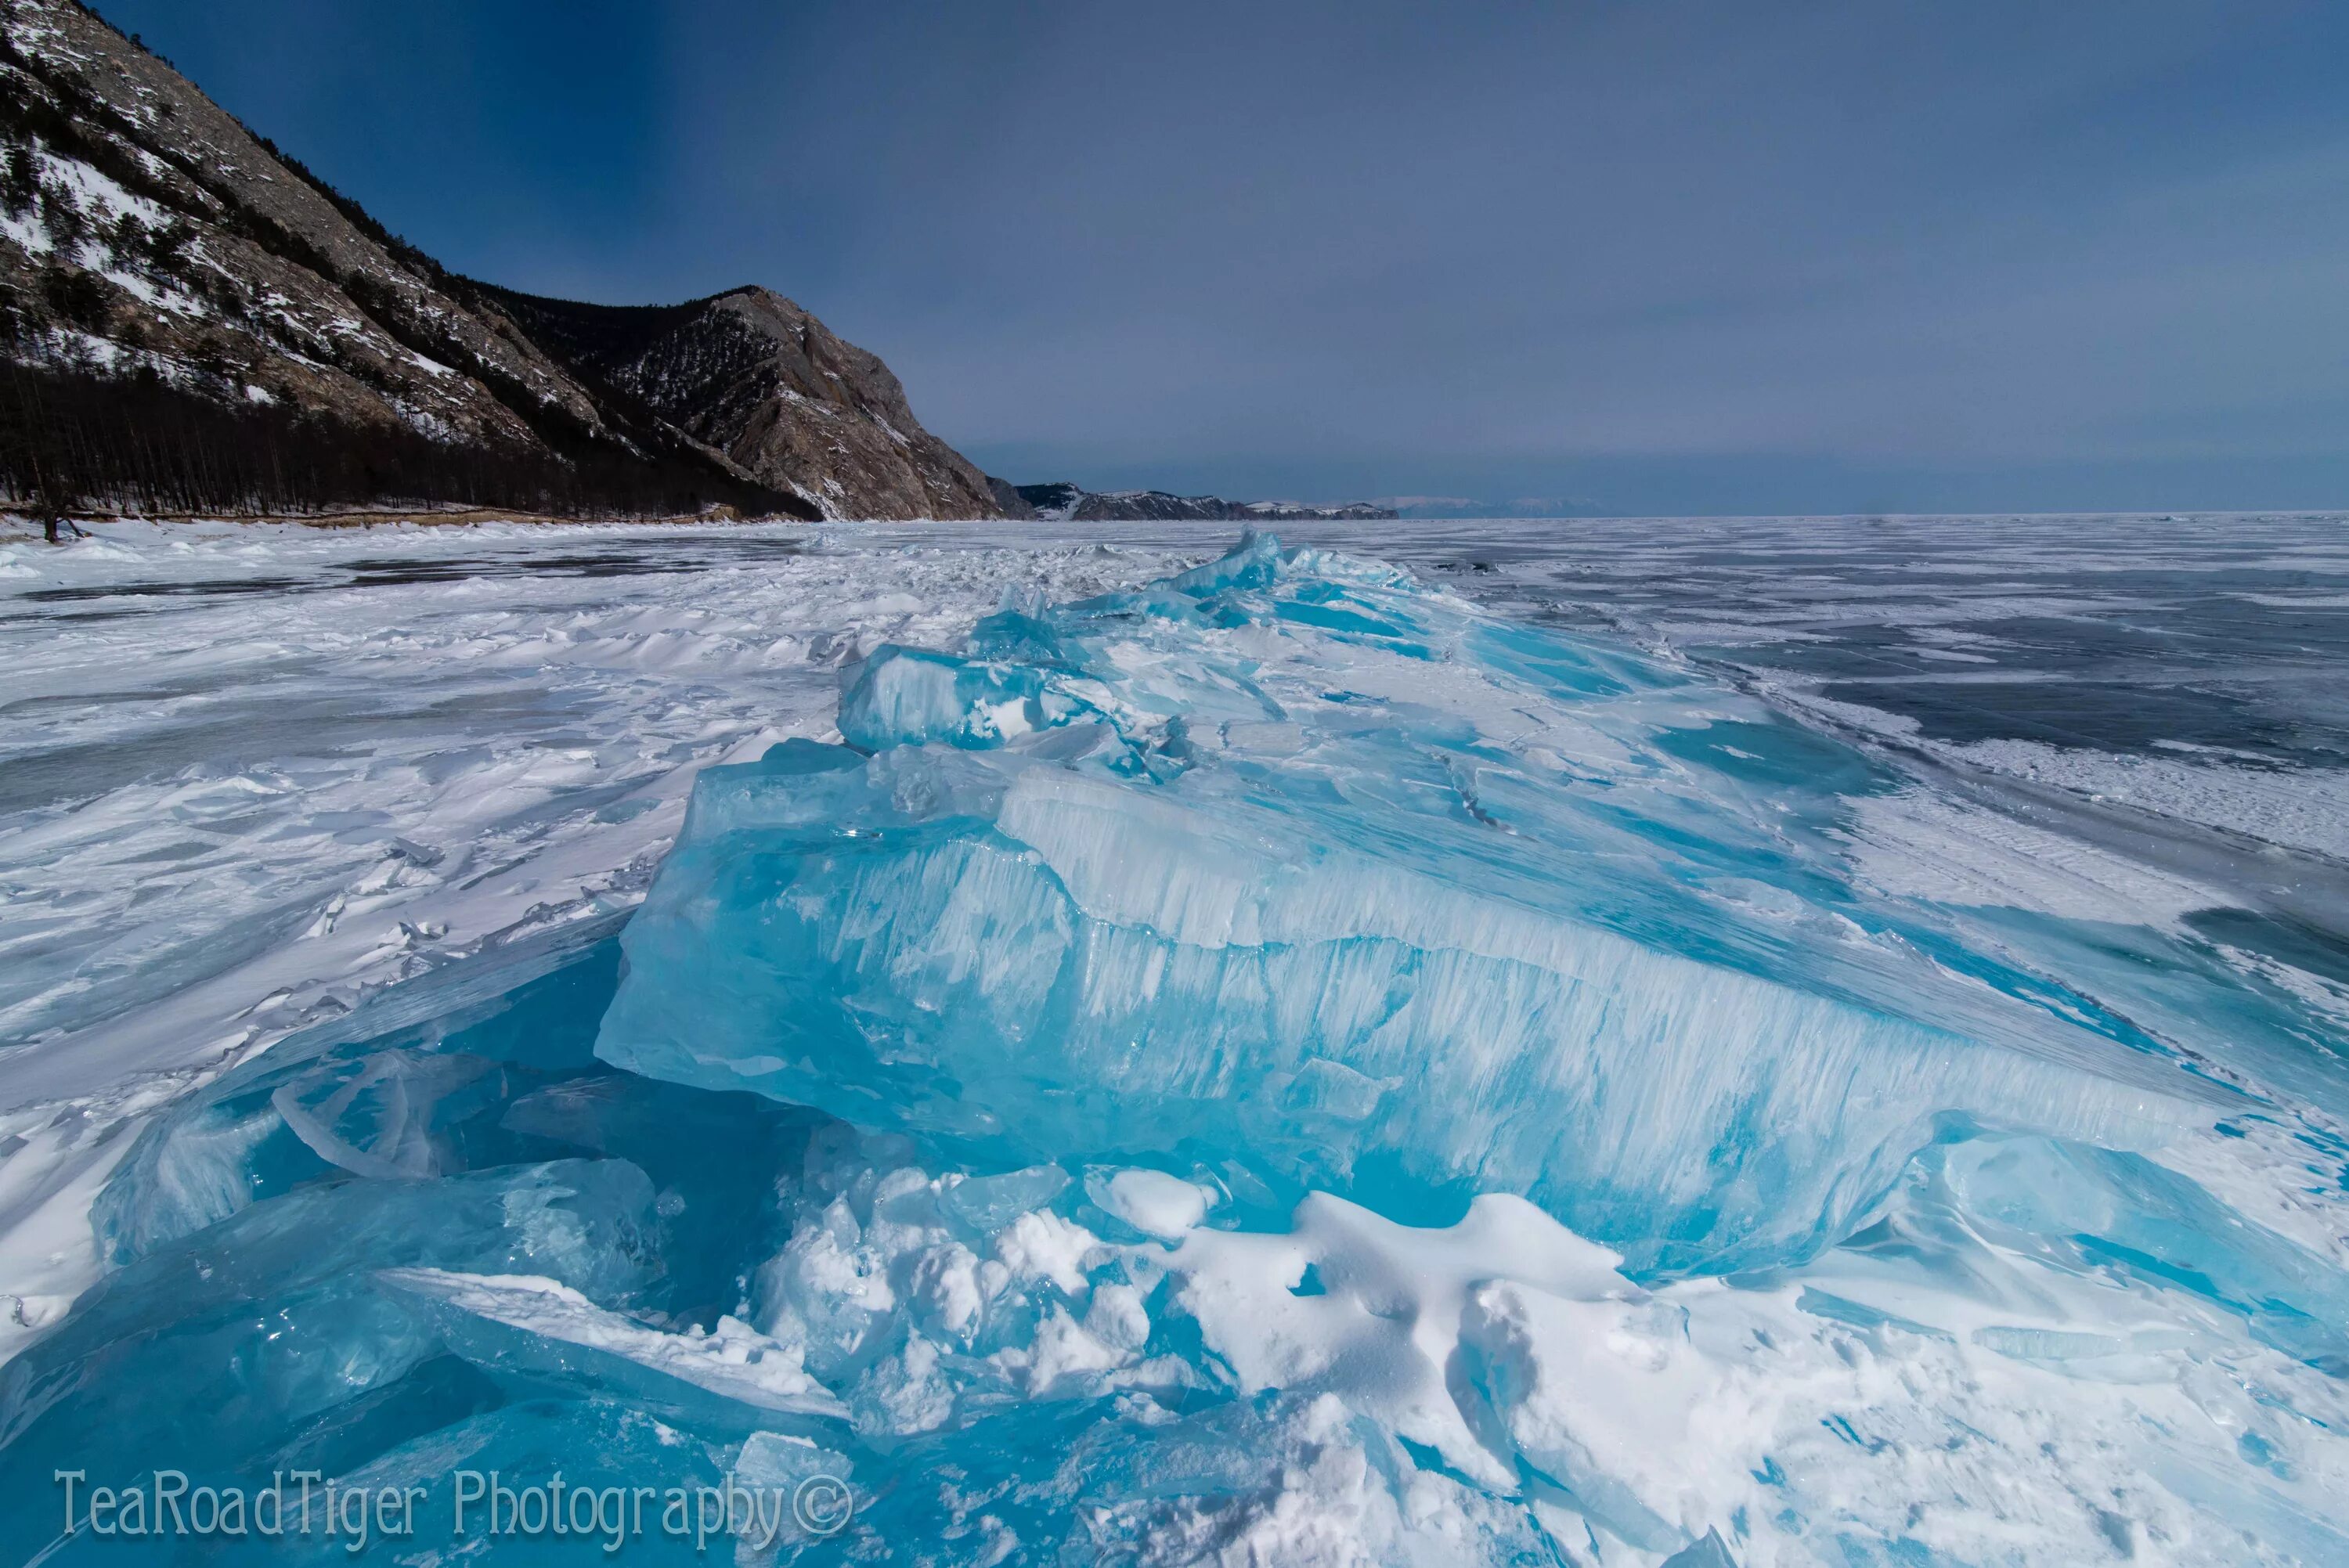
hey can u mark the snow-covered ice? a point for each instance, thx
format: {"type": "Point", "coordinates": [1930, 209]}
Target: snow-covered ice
{"type": "Point", "coordinates": [249, 775]}
{"type": "Point", "coordinates": [1123, 1052]}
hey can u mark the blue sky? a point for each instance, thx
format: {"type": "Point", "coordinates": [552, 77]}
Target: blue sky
{"type": "Point", "coordinates": [1730, 258]}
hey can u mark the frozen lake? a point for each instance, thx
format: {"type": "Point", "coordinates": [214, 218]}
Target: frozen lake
{"type": "Point", "coordinates": [1883, 982]}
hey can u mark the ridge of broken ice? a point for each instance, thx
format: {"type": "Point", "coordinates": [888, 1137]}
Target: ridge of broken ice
{"type": "Point", "coordinates": [1295, 867]}
{"type": "Point", "coordinates": [1973, 1254]}
{"type": "Point", "coordinates": [2038, 1351]}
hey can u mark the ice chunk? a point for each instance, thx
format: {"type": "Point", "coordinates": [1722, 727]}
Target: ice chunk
{"type": "Point", "coordinates": [1351, 885]}
{"type": "Point", "coordinates": [558, 1331]}
{"type": "Point", "coordinates": [1765, 1415]}
{"type": "Point", "coordinates": [1292, 1480]}
{"type": "Point", "coordinates": [586, 1444]}
{"type": "Point", "coordinates": [1467, 1393]}
{"type": "Point", "coordinates": [1152, 1201]}
{"type": "Point", "coordinates": [904, 695]}
{"type": "Point", "coordinates": [195, 1171]}
{"type": "Point", "coordinates": [396, 1090]}
{"type": "Point", "coordinates": [374, 1116]}
{"type": "Point", "coordinates": [221, 1345]}
{"type": "Point", "coordinates": [800, 1494]}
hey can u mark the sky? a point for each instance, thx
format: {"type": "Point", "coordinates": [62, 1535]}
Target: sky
{"type": "Point", "coordinates": [1639, 257]}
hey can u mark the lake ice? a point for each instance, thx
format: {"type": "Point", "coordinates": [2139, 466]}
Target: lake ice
{"type": "Point", "coordinates": [1599, 1045]}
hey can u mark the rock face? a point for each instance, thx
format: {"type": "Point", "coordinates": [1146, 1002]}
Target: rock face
{"type": "Point", "coordinates": [1062, 501]}
{"type": "Point", "coordinates": [190, 319]}
{"type": "Point", "coordinates": [1008, 498]}
{"type": "Point", "coordinates": [751, 375]}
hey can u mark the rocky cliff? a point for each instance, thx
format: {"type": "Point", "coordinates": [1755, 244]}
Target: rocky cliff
{"type": "Point", "coordinates": [188, 319]}
{"type": "Point", "coordinates": [751, 375]}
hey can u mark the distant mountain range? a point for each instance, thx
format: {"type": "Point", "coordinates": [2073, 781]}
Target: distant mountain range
{"type": "Point", "coordinates": [1469, 506]}
{"type": "Point", "coordinates": [1063, 502]}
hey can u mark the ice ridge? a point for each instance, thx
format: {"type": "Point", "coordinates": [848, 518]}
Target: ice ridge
{"type": "Point", "coordinates": [1295, 867]}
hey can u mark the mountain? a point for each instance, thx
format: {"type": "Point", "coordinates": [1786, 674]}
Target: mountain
{"type": "Point", "coordinates": [1062, 501]}
{"type": "Point", "coordinates": [1455, 506]}
{"type": "Point", "coordinates": [192, 319]}
{"type": "Point", "coordinates": [751, 375]}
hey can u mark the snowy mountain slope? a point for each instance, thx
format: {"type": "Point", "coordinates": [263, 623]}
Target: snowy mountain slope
{"type": "Point", "coordinates": [192, 319]}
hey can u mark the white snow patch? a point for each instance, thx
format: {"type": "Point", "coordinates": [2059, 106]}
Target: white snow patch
{"type": "Point", "coordinates": [1917, 845]}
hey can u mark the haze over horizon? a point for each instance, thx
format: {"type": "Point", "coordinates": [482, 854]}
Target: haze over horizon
{"type": "Point", "coordinates": [1656, 259]}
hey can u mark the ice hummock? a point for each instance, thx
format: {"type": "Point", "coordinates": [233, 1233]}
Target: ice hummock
{"type": "Point", "coordinates": [2036, 1351]}
{"type": "Point", "coordinates": [1296, 867]}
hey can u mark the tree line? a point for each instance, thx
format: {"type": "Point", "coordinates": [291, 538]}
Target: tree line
{"type": "Point", "coordinates": [73, 440]}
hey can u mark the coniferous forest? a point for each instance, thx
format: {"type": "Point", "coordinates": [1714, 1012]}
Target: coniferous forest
{"type": "Point", "coordinates": [72, 439]}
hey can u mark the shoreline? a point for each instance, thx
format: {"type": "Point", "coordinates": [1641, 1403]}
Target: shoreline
{"type": "Point", "coordinates": [419, 517]}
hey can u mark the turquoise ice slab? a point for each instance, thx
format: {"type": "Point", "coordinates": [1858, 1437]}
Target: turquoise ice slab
{"type": "Point", "coordinates": [1297, 868]}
